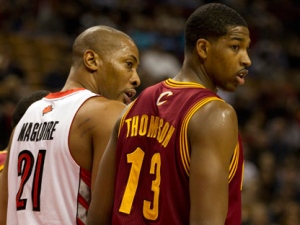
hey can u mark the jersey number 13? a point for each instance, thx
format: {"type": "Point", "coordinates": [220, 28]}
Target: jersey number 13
{"type": "Point", "coordinates": [136, 159]}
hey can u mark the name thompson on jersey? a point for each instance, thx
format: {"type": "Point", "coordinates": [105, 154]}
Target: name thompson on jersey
{"type": "Point", "coordinates": [37, 131]}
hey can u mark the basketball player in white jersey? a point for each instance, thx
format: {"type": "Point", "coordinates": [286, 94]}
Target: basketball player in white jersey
{"type": "Point", "coordinates": [56, 147]}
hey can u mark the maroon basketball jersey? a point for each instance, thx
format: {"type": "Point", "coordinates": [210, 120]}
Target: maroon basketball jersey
{"type": "Point", "coordinates": [153, 157]}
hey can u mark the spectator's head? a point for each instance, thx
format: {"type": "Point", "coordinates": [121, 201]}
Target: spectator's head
{"type": "Point", "coordinates": [24, 103]}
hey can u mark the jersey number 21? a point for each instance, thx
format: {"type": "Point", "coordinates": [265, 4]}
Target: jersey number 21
{"type": "Point", "coordinates": [25, 166]}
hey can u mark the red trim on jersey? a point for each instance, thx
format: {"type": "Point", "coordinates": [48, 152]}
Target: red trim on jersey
{"type": "Point", "coordinates": [83, 202]}
{"type": "Point", "coordinates": [85, 175]}
{"type": "Point", "coordinates": [63, 93]}
{"type": "Point", "coordinates": [79, 222]}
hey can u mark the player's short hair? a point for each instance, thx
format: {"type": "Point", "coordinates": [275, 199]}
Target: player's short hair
{"type": "Point", "coordinates": [210, 21]}
{"type": "Point", "coordinates": [24, 103]}
{"type": "Point", "coordinates": [101, 39]}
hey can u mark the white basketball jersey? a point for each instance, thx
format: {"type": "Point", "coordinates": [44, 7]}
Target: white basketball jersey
{"type": "Point", "coordinates": [46, 186]}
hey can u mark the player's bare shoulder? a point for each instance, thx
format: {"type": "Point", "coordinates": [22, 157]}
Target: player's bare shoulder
{"type": "Point", "coordinates": [91, 127]}
{"type": "Point", "coordinates": [99, 109]}
{"type": "Point", "coordinates": [220, 109]}
{"type": "Point", "coordinates": [214, 115]}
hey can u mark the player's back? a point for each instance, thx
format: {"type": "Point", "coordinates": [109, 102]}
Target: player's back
{"type": "Point", "coordinates": [153, 156]}
{"type": "Point", "coordinates": [46, 185]}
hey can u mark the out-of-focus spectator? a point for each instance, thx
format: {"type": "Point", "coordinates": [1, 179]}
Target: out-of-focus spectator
{"type": "Point", "coordinates": [268, 105]}
{"type": "Point", "coordinates": [158, 65]}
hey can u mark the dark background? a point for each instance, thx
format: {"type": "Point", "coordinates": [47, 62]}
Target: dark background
{"type": "Point", "coordinates": [35, 51]}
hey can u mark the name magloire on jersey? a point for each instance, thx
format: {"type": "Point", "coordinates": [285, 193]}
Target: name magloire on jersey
{"type": "Point", "coordinates": [46, 185]}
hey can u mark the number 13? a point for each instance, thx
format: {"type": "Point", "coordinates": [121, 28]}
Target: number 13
{"type": "Point", "coordinates": [136, 159]}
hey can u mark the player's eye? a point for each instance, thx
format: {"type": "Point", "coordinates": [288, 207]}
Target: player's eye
{"type": "Point", "coordinates": [129, 64]}
{"type": "Point", "coordinates": [235, 47]}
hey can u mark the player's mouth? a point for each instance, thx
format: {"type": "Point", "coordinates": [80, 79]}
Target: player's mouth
{"type": "Point", "coordinates": [241, 76]}
{"type": "Point", "coordinates": [128, 96]}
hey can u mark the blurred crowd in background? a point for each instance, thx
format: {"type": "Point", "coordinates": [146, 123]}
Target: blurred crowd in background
{"type": "Point", "coordinates": [36, 37]}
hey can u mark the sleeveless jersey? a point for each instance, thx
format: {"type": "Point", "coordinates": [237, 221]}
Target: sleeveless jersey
{"type": "Point", "coordinates": [153, 157]}
{"type": "Point", "coordinates": [46, 185]}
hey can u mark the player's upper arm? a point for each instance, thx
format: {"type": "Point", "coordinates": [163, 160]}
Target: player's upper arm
{"type": "Point", "coordinates": [104, 117]}
{"type": "Point", "coordinates": [100, 211]}
{"type": "Point", "coordinates": [213, 135]}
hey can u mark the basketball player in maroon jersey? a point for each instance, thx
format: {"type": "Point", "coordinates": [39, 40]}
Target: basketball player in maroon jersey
{"type": "Point", "coordinates": [175, 156]}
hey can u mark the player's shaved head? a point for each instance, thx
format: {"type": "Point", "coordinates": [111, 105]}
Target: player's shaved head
{"type": "Point", "coordinates": [101, 39]}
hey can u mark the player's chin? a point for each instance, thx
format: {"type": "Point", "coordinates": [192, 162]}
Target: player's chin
{"type": "Point", "coordinates": [229, 87]}
{"type": "Point", "coordinates": [127, 99]}
{"type": "Point", "coordinates": [124, 100]}
{"type": "Point", "coordinates": [121, 99]}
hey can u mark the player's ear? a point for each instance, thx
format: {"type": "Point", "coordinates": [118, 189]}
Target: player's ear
{"type": "Point", "coordinates": [91, 59]}
{"type": "Point", "coordinates": [202, 47]}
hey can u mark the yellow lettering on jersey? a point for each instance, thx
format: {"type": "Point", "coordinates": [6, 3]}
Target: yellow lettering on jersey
{"type": "Point", "coordinates": [163, 132]}
{"type": "Point", "coordinates": [161, 123]}
{"type": "Point", "coordinates": [134, 126]}
{"type": "Point", "coordinates": [128, 121]}
{"type": "Point", "coordinates": [155, 128]}
{"type": "Point", "coordinates": [143, 125]}
{"type": "Point", "coordinates": [168, 136]}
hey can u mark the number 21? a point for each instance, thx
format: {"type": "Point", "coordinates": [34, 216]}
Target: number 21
{"type": "Point", "coordinates": [25, 166]}
{"type": "Point", "coordinates": [136, 159]}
